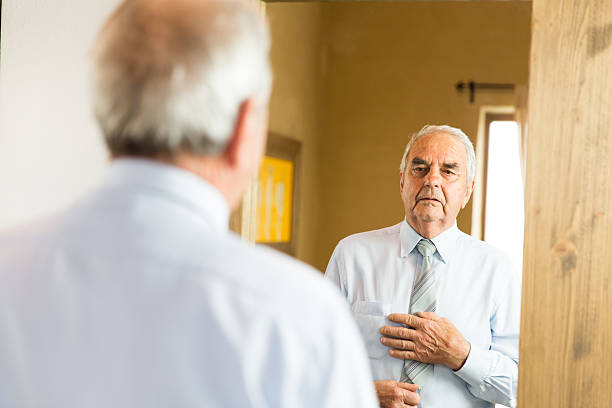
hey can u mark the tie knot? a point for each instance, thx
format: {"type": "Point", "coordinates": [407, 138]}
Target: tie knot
{"type": "Point", "coordinates": [426, 248]}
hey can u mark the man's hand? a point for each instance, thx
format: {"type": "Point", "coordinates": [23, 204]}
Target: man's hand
{"type": "Point", "coordinates": [428, 338]}
{"type": "Point", "coordinates": [393, 394]}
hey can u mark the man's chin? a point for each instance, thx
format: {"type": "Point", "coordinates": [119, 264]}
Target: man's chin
{"type": "Point", "coordinates": [429, 216]}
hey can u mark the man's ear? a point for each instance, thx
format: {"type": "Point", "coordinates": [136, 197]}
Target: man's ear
{"type": "Point", "coordinates": [401, 181]}
{"type": "Point", "coordinates": [468, 193]}
{"type": "Point", "coordinates": [239, 151]}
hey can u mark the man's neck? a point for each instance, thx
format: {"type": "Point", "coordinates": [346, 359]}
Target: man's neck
{"type": "Point", "coordinates": [213, 170]}
{"type": "Point", "coordinates": [428, 229]}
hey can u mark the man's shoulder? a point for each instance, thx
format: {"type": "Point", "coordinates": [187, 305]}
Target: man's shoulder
{"type": "Point", "coordinates": [372, 237]}
{"type": "Point", "coordinates": [480, 246]}
{"type": "Point", "coordinates": [37, 232]}
{"type": "Point", "coordinates": [285, 292]}
{"type": "Point", "coordinates": [272, 274]}
{"type": "Point", "coordinates": [484, 253]}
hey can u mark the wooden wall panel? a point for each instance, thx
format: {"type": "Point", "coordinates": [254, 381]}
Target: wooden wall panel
{"type": "Point", "coordinates": [566, 328]}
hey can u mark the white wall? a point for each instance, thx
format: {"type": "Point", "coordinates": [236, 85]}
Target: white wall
{"type": "Point", "coordinates": [50, 148]}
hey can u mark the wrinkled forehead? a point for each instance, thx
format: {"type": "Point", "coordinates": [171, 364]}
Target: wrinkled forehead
{"type": "Point", "coordinates": [440, 147]}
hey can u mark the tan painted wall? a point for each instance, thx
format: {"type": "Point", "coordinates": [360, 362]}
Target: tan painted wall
{"type": "Point", "coordinates": [384, 70]}
{"type": "Point", "coordinates": [295, 102]}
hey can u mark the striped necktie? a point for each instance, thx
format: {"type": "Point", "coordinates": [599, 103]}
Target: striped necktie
{"type": "Point", "coordinates": [423, 300]}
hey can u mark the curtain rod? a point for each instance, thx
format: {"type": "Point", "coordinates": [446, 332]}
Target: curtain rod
{"type": "Point", "coordinates": [472, 86]}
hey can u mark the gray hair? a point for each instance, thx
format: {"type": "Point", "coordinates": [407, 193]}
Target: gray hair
{"type": "Point", "coordinates": [457, 133]}
{"type": "Point", "coordinates": [171, 75]}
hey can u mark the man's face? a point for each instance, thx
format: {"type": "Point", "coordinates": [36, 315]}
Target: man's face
{"type": "Point", "coordinates": [434, 185]}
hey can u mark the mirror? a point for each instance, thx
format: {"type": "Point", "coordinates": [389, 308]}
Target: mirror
{"type": "Point", "coordinates": [353, 80]}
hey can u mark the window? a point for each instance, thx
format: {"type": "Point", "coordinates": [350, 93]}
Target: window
{"type": "Point", "coordinates": [503, 193]}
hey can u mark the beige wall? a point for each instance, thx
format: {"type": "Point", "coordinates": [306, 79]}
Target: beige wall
{"type": "Point", "coordinates": [387, 69]}
{"type": "Point", "coordinates": [296, 58]}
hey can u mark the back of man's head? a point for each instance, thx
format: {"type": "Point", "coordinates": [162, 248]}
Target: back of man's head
{"type": "Point", "coordinates": [170, 76]}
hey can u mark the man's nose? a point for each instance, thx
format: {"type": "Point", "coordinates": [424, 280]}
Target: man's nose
{"type": "Point", "coordinates": [433, 178]}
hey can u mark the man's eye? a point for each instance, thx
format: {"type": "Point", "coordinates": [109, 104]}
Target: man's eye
{"type": "Point", "coordinates": [418, 169]}
{"type": "Point", "coordinates": [449, 172]}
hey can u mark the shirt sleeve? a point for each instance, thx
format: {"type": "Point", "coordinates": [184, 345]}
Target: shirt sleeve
{"type": "Point", "coordinates": [349, 380]}
{"type": "Point", "coordinates": [333, 272]}
{"type": "Point", "coordinates": [324, 361]}
{"type": "Point", "coordinates": [350, 369]}
{"type": "Point", "coordinates": [492, 375]}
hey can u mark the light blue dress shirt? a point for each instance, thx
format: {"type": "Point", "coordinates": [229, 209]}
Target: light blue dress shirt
{"type": "Point", "coordinates": [479, 292]}
{"type": "Point", "coordinates": [138, 296]}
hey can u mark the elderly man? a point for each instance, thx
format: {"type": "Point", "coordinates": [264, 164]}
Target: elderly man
{"type": "Point", "coordinates": [438, 309]}
{"type": "Point", "coordinates": [138, 296]}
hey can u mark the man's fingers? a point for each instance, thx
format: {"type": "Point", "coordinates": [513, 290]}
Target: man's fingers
{"type": "Point", "coordinates": [399, 332]}
{"type": "Point", "coordinates": [403, 354]}
{"type": "Point", "coordinates": [428, 316]}
{"type": "Point", "coordinates": [407, 319]}
{"type": "Point", "coordinates": [397, 343]}
{"type": "Point", "coordinates": [408, 386]}
{"type": "Point", "coordinates": [410, 397]}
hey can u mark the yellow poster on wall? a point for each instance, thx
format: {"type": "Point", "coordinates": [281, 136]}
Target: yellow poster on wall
{"type": "Point", "coordinates": [274, 200]}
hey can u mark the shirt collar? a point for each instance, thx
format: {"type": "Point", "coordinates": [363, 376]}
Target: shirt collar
{"type": "Point", "coordinates": [181, 185]}
{"type": "Point", "coordinates": [444, 242]}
